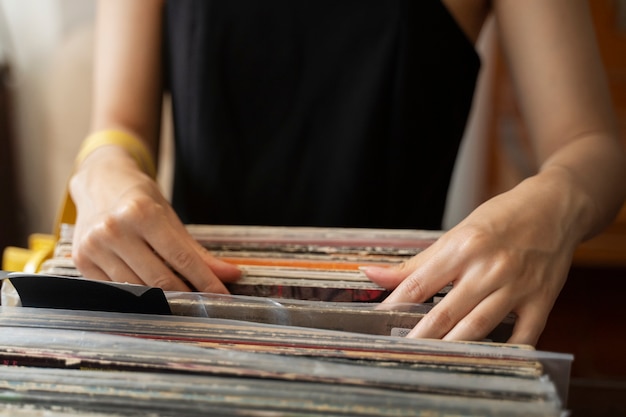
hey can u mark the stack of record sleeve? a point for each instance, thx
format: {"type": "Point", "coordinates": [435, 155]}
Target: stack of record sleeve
{"type": "Point", "coordinates": [62, 361]}
{"type": "Point", "coordinates": [288, 341]}
{"type": "Point", "coordinates": [301, 276]}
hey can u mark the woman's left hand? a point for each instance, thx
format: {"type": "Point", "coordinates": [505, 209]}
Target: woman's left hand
{"type": "Point", "coordinates": [511, 255]}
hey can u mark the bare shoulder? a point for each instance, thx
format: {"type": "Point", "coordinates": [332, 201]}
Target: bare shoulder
{"type": "Point", "coordinates": [469, 14]}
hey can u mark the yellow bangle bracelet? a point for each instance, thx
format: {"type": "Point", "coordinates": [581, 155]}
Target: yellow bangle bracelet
{"type": "Point", "coordinates": [135, 147]}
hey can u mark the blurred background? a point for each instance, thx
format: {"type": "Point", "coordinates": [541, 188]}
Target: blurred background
{"type": "Point", "coordinates": [45, 51]}
{"type": "Point", "coordinates": [45, 100]}
{"type": "Point", "coordinates": [46, 48]}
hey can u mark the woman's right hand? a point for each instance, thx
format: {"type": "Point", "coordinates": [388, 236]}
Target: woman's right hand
{"type": "Point", "coordinates": [126, 231]}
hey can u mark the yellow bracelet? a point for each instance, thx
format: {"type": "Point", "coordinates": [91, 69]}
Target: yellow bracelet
{"type": "Point", "coordinates": [135, 147]}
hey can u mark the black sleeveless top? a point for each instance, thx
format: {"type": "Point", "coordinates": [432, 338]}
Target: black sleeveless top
{"type": "Point", "coordinates": [344, 113]}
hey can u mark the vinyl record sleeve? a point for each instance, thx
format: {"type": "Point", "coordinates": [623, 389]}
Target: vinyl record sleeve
{"type": "Point", "coordinates": [303, 333]}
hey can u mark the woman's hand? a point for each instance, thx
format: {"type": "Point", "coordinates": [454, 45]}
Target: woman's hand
{"type": "Point", "coordinates": [511, 255]}
{"type": "Point", "coordinates": [126, 231]}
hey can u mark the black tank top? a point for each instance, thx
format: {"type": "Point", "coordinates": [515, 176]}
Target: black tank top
{"type": "Point", "coordinates": [344, 113]}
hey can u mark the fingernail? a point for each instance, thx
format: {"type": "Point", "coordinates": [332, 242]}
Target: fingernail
{"type": "Point", "coordinates": [372, 269]}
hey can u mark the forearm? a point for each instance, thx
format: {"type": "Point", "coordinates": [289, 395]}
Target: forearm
{"type": "Point", "coordinates": [587, 174]}
{"type": "Point", "coordinates": [126, 105]}
{"type": "Point", "coordinates": [127, 76]}
{"type": "Point", "coordinates": [564, 98]}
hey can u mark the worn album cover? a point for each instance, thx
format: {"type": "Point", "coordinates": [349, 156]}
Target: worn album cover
{"type": "Point", "coordinates": [303, 333]}
{"type": "Point", "coordinates": [62, 358]}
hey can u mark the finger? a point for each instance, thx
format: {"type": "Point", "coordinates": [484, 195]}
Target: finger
{"type": "Point", "coordinates": [148, 268]}
{"type": "Point", "coordinates": [480, 321]}
{"type": "Point", "coordinates": [225, 271]}
{"type": "Point", "coordinates": [81, 255]}
{"type": "Point", "coordinates": [444, 316]}
{"type": "Point", "coordinates": [179, 250]}
{"type": "Point", "coordinates": [132, 261]}
{"type": "Point", "coordinates": [423, 283]}
{"type": "Point", "coordinates": [98, 263]}
{"type": "Point", "coordinates": [91, 271]}
{"type": "Point", "coordinates": [431, 270]}
{"type": "Point", "coordinates": [124, 256]}
{"type": "Point", "coordinates": [467, 293]}
{"type": "Point", "coordinates": [118, 271]}
{"type": "Point", "coordinates": [529, 324]}
{"type": "Point", "coordinates": [186, 261]}
{"type": "Point", "coordinates": [389, 277]}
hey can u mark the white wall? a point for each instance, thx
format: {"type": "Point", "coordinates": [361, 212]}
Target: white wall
{"type": "Point", "coordinates": [43, 41]}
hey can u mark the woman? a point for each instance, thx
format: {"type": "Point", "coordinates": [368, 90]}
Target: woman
{"type": "Point", "coordinates": [346, 113]}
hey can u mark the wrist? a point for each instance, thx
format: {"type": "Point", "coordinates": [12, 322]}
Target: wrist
{"type": "Point", "coordinates": [574, 211]}
{"type": "Point", "coordinates": [132, 145]}
{"type": "Point", "coordinates": [105, 150]}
